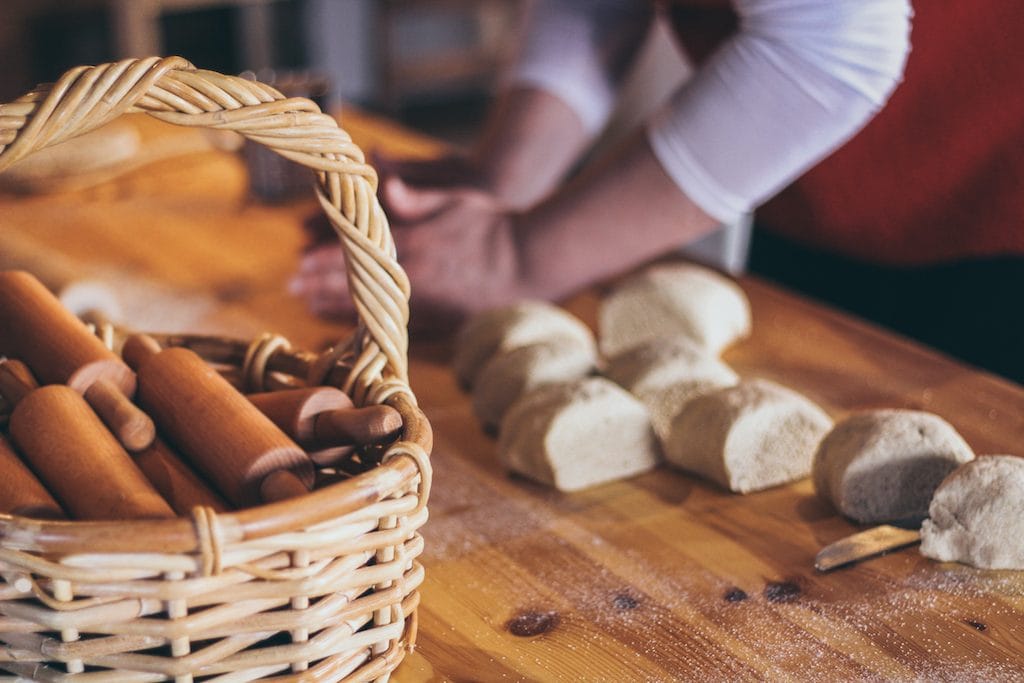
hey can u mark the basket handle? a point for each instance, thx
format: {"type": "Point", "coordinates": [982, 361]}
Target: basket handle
{"type": "Point", "coordinates": [173, 90]}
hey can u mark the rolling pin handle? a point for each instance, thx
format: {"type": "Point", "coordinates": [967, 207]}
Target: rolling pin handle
{"type": "Point", "coordinates": [16, 381]}
{"type": "Point", "coordinates": [346, 426]}
{"type": "Point", "coordinates": [137, 348]}
{"type": "Point", "coordinates": [132, 427]}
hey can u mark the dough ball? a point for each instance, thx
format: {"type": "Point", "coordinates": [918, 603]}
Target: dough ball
{"type": "Point", "coordinates": [662, 362]}
{"type": "Point", "coordinates": [503, 329]}
{"type": "Point", "coordinates": [884, 465]}
{"type": "Point", "coordinates": [667, 372]}
{"type": "Point", "coordinates": [749, 437]}
{"type": "Point", "coordinates": [510, 374]}
{"type": "Point", "coordinates": [576, 435]}
{"type": "Point", "coordinates": [674, 300]}
{"type": "Point", "coordinates": [977, 515]}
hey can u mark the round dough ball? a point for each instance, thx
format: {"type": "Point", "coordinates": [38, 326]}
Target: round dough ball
{"type": "Point", "coordinates": [884, 465]}
{"type": "Point", "coordinates": [509, 327]}
{"type": "Point", "coordinates": [510, 374]}
{"type": "Point", "coordinates": [674, 300]}
{"type": "Point", "coordinates": [749, 437]}
{"type": "Point", "coordinates": [977, 515]}
{"type": "Point", "coordinates": [666, 373]}
{"type": "Point", "coordinates": [576, 435]}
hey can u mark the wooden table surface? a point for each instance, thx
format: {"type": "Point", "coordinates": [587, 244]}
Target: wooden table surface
{"type": "Point", "coordinates": [661, 577]}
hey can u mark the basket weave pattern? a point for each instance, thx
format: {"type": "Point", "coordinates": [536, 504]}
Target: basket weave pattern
{"type": "Point", "coordinates": [318, 588]}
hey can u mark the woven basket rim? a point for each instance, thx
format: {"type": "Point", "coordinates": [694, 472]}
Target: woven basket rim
{"type": "Point", "coordinates": [183, 535]}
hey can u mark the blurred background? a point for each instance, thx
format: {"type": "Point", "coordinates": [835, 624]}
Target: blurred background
{"type": "Point", "coordinates": [431, 64]}
{"type": "Point", "coordinates": [408, 58]}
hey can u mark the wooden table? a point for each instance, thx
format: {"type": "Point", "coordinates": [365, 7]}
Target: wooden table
{"type": "Point", "coordinates": [662, 577]}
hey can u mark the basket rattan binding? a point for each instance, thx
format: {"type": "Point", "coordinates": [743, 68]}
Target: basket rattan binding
{"type": "Point", "coordinates": [319, 588]}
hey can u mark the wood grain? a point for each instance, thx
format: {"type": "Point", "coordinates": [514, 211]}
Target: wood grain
{"type": "Point", "coordinates": [662, 577]}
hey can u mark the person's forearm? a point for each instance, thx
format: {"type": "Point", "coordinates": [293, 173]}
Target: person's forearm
{"type": "Point", "coordinates": [531, 142]}
{"type": "Point", "coordinates": [559, 93]}
{"type": "Point", "coordinates": [623, 213]}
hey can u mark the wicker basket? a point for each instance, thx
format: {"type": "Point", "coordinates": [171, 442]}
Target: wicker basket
{"type": "Point", "coordinates": [319, 588]}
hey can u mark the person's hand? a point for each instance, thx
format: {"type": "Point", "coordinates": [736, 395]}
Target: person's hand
{"type": "Point", "coordinates": [321, 281]}
{"type": "Point", "coordinates": [454, 172]}
{"type": "Point", "coordinates": [460, 255]}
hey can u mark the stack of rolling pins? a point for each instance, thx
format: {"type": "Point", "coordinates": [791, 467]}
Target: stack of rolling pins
{"type": "Point", "coordinates": [90, 435]}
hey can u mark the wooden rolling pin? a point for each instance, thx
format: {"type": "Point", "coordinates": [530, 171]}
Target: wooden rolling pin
{"type": "Point", "coordinates": [20, 492]}
{"type": "Point", "coordinates": [173, 480]}
{"type": "Point", "coordinates": [213, 425]}
{"type": "Point", "coordinates": [74, 454]}
{"type": "Point", "coordinates": [324, 421]}
{"type": "Point", "coordinates": [59, 349]}
{"type": "Point", "coordinates": [182, 488]}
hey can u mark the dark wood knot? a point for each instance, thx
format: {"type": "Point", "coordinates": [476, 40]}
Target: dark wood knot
{"type": "Point", "coordinates": [532, 623]}
{"type": "Point", "coordinates": [781, 591]}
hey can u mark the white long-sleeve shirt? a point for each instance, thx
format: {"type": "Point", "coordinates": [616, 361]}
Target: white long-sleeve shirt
{"type": "Point", "coordinates": [798, 79]}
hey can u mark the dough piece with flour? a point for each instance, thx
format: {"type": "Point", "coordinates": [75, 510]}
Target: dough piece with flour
{"type": "Point", "coordinates": [576, 435]}
{"type": "Point", "coordinates": [749, 437]}
{"type": "Point", "coordinates": [884, 465]}
{"type": "Point", "coordinates": [977, 515]}
{"type": "Point", "coordinates": [667, 372]}
{"type": "Point", "coordinates": [674, 300]}
{"type": "Point", "coordinates": [509, 327]}
{"type": "Point", "coordinates": [511, 374]}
